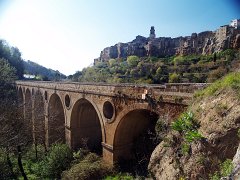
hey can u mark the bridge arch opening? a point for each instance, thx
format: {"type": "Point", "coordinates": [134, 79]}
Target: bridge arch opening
{"type": "Point", "coordinates": [39, 119]}
{"type": "Point", "coordinates": [85, 127]}
{"type": "Point", "coordinates": [28, 109]}
{"type": "Point", "coordinates": [20, 100]}
{"type": "Point", "coordinates": [56, 120]}
{"type": "Point", "coordinates": [134, 141]}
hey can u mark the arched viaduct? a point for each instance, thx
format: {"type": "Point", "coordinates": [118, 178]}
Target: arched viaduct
{"type": "Point", "coordinates": [106, 118]}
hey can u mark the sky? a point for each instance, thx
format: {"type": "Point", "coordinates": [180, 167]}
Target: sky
{"type": "Point", "coordinates": [67, 35]}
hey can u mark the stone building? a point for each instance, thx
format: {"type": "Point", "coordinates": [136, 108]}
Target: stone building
{"type": "Point", "coordinates": [235, 23]}
{"type": "Point", "coordinates": [152, 33]}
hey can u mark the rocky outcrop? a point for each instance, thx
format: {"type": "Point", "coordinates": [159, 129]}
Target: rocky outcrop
{"type": "Point", "coordinates": [219, 120]}
{"type": "Point", "coordinates": [206, 42]}
{"type": "Point", "coordinates": [236, 164]}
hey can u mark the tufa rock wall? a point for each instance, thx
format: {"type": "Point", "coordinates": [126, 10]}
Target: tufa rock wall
{"type": "Point", "coordinates": [206, 42]}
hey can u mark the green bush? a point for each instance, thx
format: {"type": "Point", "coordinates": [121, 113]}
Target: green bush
{"type": "Point", "coordinates": [120, 176]}
{"type": "Point", "coordinates": [231, 80]}
{"type": "Point", "coordinates": [174, 78]}
{"type": "Point", "coordinates": [185, 148]}
{"type": "Point", "coordinates": [91, 167]}
{"type": "Point", "coordinates": [216, 74]}
{"type": "Point", "coordinates": [187, 127]}
{"type": "Point", "coordinates": [132, 61]}
{"type": "Point", "coordinates": [225, 170]}
{"type": "Point", "coordinates": [193, 135]}
{"type": "Point", "coordinates": [58, 159]}
{"type": "Point", "coordinates": [5, 171]}
{"type": "Point", "coordinates": [184, 123]}
{"type": "Point", "coordinates": [31, 153]}
{"type": "Point", "coordinates": [48, 165]}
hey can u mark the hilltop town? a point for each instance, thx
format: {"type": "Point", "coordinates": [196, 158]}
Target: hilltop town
{"type": "Point", "coordinates": [207, 42]}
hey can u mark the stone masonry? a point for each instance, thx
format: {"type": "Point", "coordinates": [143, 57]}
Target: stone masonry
{"type": "Point", "coordinates": [101, 114]}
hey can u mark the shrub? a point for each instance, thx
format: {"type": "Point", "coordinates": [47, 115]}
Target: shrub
{"type": "Point", "coordinates": [31, 153]}
{"type": "Point", "coordinates": [225, 170]}
{"type": "Point", "coordinates": [5, 171]}
{"type": "Point", "coordinates": [178, 60]}
{"type": "Point", "coordinates": [216, 74]}
{"type": "Point", "coordinates": [231, 80]}
{"type": "Point", "coordinates": [191, 136]}
{"type": "Point", "coordinates": [132, 61]}
{"type": "Point", "coordinates": [184, 123]}
{"type": "Point", "coordinates": [123, 176]}
{"type": "Point", "coordinates": [174, 78]}
{"type": "Point", "coordinates": [49, 165]}
{"type": "Point", "coordinates": [187, 126]}
{"type": "Point", "coordinates": [91, 167]}
{"type": "Point", "coordinates": [57, 160]}
{"type": "Point", "coordinates": [185, 148]}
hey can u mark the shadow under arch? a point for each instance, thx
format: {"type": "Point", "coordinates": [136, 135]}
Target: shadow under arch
{"type": "Point", "coordinates": [134, 140]}
{"type": "Point", "coordinates": [86, 129]}
{"type": "Point", "coordinates": [56, 120]}
{"type": "Point", "coordinates": [28, 105]}
{"type": "Point", "coordinates": [28, 110]}
{"type": "Point", "coordinates": [20, 100]}
{"type": "Point", "coordinates": [39, 119]}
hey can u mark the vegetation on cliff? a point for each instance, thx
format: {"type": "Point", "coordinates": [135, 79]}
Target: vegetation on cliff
{"type": "Point", "coordinates": [202, 144]}
{"type": "Point", "coordinates": [190, 68]}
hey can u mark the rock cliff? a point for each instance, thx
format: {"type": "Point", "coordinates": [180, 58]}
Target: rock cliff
{"type": "Point", "coordinates": [206, 42]}
{"type": "Point", "coordinates": [218, 116]}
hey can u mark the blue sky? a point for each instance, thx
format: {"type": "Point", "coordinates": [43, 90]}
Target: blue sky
{"type": "Point", "coordinates": [66, 35]}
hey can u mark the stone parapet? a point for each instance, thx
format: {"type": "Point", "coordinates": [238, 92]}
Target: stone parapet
{"type": "Point", "coordinates": [171, 92]}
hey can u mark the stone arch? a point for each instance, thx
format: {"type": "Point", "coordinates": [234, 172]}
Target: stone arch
{"type": "Point", "coordinates": [85, 124]}
{"type": "Point", "coordinates": [131, 143]}
{"type": "Point", "coordinates": [39, 119]}
{"type": "Point", "coordinates": [56, 120]}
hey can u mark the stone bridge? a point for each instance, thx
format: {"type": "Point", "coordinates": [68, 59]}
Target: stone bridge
{"type": "Point", "coordinates": [106, 118]}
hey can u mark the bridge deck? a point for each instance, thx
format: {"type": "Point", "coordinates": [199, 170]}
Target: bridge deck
{"type": "Point", "coordinates": [168, 92]}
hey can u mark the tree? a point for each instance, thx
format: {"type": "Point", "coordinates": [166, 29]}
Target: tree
{"type": "Point", "coordinates": [13, 56]}
{"type": "Point", "coordinates": [174, 78]}
{"type": "Point", "coordinates": [112, 62]}
{"type": "Point", "coordinates": [132, 61]}
{"type": "Point", "coordinates": [13, 130]}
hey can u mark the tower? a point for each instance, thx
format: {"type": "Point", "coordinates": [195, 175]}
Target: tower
{"type": "Point", "coordinates": [152, 33]}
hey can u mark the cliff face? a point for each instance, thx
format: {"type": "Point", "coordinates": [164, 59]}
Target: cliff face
{"type": "Point", "coordinates": [206, 42]}
{"type": "Point", "coordinates": [218, 117]}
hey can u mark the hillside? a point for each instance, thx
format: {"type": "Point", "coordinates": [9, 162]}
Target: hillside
{"type": "Point", "coordinates": [42, 72]}
{"type": "Point", "coordinates": [13, 56]}
{"type": "Point", "coordinates": [201, 57]}
{"type": "Point", "coordinates": [203, 143]}
{"type": "Point", "coordinates": [153, 70]}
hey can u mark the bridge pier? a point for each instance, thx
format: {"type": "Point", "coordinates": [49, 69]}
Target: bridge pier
{"type": "Point", "coordinates": [68, 136]}
{"type": "Point", "coordinates": [108, 155]}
